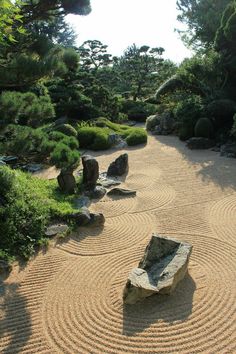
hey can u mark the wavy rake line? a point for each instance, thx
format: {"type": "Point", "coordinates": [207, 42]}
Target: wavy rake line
{"type": "Point", "coordinates": [198, 317]}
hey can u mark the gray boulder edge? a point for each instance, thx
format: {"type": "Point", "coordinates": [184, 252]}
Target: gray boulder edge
{"type": "Point", "coordinates": [119, 166]}
{"type": "Point", "coordinates": [163, 266]}
{"type": "Point", "coordinates": [121, 192]}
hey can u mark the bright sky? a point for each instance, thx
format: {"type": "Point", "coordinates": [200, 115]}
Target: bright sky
{"type": "Point", "coordinates": [120, 23]}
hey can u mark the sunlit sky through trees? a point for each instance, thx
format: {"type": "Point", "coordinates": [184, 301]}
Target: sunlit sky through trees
{"type": "Point", "coordinates": [120, 23]}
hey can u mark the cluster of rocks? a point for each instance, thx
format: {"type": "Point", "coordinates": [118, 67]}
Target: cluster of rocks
{"type": "Point", "coordinates": [94, 186]}
{"type": "Point", "coordinates": [161, 124]}
{"type": "Point", "coordinates": [13, 161]}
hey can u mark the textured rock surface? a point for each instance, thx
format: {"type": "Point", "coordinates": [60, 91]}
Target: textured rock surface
{"type": "Point", "coordinates": [53, 230]}
{"type": "Point", "coordinates": [164, 264]}
{"type": "Point", "coordinates": [66, 181]}
{"type": "Point", "coordinates": [107, 182]}
{"type": "Point", "coordinates": [96, 220]}
{"type": "Point", "coordinates": [97, 193]}
{"type": "Point", "coordinates": [121, 192]}
{"type": "Point", "coordinates": [90, 171]}
{"type": "Point", "coordinates": [119, 166]}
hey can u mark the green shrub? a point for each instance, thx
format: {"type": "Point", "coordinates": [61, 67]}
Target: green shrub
{"type": "Point", "coordinates": [101, 142]}
{"type": "Point", "coordinates": [26, 108]}
{"type": "Point", "coordinates": [24, 140]}
{"type": "Point", "coordinates": [204, 128]}
{"type": "Point", "coordinates": [136, 136]}
{"type": "Point", "coordinates": [187, 113]}
{"type": "Point", "coordinates": [66, 129]}
{"type": "Point", "coordinates": [138, 110]}
{"type": "Point", "coordinates": [64, 157]}
{"type": "Point", "coordinates": [93, 138]}
{"type": "Point", "coordinates": [222, 112]}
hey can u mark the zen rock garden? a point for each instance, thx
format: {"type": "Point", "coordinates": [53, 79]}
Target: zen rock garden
{"type": "Point", "coordinates": [165, 260]}
{"type": "Point", "coordinates": [162, 267]}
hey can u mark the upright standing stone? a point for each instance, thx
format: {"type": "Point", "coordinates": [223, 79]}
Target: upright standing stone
{"type": "Point", "coordinates": [119, 166]}
{"type": "Point", "coordinates": [66, 181]}
{"type": "Point", "coordinates": [90, 171]}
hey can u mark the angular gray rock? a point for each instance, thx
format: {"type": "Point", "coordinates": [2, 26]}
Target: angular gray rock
{"type": "Point", "coordinates": [81, 202]}
{"type": "Point", "coordinates": [200, 143]}
{"type": "Point", "coordinates": [81, 218]}
{"type": "Point", "coordinates": [96, 220]}
{"type": "Point", "coordinates": [56, 229]}
{"type": "Point", "coordinates": [119, 166]}
{"type": "Point", "coordinates": [107, 182]}
{"type": "Point", "coordinates": [85, 218]}
{"type": "Point", "coordinates": [164, 264]}
{"type": "Point", "coordinates": [97, 193]}
{"type": "Point", "coordinates": [121, 192]}
{"type": "Point", "coordinates": [90, 171]}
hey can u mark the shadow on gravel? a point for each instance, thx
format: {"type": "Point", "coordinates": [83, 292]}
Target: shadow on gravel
{"type": "Point", "coordinates": [165, 308]}
{"type": "Point", "coordinates": [214, 168]}
{"type": "Point", "coordinates": [15, 322]}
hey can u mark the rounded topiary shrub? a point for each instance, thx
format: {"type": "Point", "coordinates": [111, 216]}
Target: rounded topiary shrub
{"type": "Point", "coordinates": [101, 142]}
{"type": "Point", "coordinates": [204, 128]}
{"type": "Point", "coordinates": [94, 138]}
{"type": "Point", "coordinates": [137, 136]}
{"type": "Point", "coordinates": [66, 129]}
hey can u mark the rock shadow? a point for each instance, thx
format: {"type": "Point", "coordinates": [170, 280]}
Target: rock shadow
{"type": "Point", "coordinates": [15, 321]}
{"type": "Point", "coordinates": [167, 308]}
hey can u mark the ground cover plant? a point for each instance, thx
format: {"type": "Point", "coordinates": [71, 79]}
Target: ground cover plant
{"type": "Point", "coordinates": [27, 204]}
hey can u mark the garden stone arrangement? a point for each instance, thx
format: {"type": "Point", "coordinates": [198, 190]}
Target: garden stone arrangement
{"type": "Point", "coordinates": [162, 267]}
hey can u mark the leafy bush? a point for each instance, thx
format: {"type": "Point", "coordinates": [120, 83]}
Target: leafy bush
{"type": "Point", "coordinates": [29, 203]}
{"type": "Point", "coordinates": [137, 136]}
{"type": "Point", "coordinates": [204, 128]}
{"type": "Point", "coordinates": [138, 110]}
{"type": "Point", "coordinates": [66, 129]}
{"type": "Point", "coordinates": [24, 140]}
{"type": "Point", "coordinates": [64, 157]}
{"type": "Point", "coordinates": [26, 108]}
{"type": "Point", "coordinates": [222, 112]}
{"type": "Point", "coordinates": [187, 113]}
{"type": "Point", "coordinates": [95, 138]}
{"type": "Point", "coordinates": [124, 131]}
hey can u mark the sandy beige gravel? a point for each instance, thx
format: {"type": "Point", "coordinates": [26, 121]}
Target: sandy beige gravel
{"type": "Point", "coordinates": [69, 299]}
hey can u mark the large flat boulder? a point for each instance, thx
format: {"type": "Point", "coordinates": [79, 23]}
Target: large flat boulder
{"type": "Point", "coordinates": [163, 265]}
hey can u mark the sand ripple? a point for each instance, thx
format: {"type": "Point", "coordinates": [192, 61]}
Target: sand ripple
{"type": "Point", "coordinates": [84, 311]}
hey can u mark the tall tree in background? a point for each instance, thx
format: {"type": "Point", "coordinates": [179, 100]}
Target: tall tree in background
{"type": "Point", "coordinates": [26, 60]}
{"type": "Point", "coordinates": [203, 18]}
{"type": "Point", "coordinates": [138, 70]}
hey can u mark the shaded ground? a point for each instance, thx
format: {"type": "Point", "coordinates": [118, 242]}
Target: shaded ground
{"type": "Point", "coordinates": [69, 300]}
